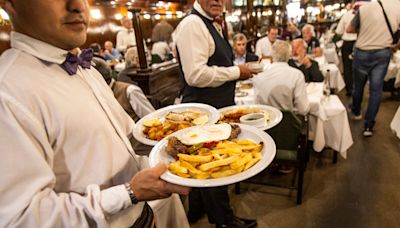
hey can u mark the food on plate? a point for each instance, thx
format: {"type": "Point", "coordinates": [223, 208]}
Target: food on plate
{"type": "Point", "coordinates": [156, 129]}
{"type": "Point", "coordinates": [212, 152]}
{"type": "Point", "coordinates": [233, 115]}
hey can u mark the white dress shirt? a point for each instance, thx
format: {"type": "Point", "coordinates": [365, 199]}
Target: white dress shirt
{"type": "Point", "coordinates": [139, 102]}
{"type": "Point", "coordinates": [125, 38]}
{"type": "Point", "coordinates": [343, 23]}
{"type": "Point", "coordinates": [283, 87]}
{"type": "Point", "coordinates": [195, 45]}
{"type": "Point", "coordinates": [63, 139]}
{"type": "Point", "coordinates": [263, 47]}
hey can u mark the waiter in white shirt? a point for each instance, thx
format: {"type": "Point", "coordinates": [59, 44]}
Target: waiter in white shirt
{"type": "Point", "coordinates": [209, 77]}
{"type": "Point", "coordinates": [349, 40]}
{"type": "Point", "coordinates": [66, 160]}
{"type": "Point", "coordinates": [126, 37]}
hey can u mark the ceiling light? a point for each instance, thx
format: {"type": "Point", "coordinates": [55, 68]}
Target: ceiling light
{"type": "Point", "coordinates": [96, 14]}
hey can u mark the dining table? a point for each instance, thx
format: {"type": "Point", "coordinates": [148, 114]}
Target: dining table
{"type": "Point", "coordinates": [328, 121]}
{"type": "Point", "coordinates": [393, 71]}
{"type": "Point", "coordinates": [395, 124]}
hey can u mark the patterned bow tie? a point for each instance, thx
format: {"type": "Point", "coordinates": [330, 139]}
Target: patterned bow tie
{"type": "Point", "coordinates": [219, 21]}
{"type": "Point", "coordinates": [72, 61]}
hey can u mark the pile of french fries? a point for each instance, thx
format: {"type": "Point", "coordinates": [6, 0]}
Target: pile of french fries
{"type": "Point", "coordinates": [225, 159]}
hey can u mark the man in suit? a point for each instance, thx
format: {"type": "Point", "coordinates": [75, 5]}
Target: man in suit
{"type": "Point", "coordinates": [209, 76]}
{"type": "Point", "coordinates": [300, 61]}
{"type": "Point", "coordinates": [239, 49]}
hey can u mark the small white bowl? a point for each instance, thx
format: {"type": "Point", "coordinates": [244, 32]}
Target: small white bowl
{"type": "Point", "coordinates": [253, 119]}
{"type": "Point", "coordinates": [255, 66]}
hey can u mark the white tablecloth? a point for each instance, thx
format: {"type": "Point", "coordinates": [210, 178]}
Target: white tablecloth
{"type": "Point", "coordinates": [395, 124]}
{"type": "Point", "coordinates": [329, 126]}
{"type": "Point", "coordinates": [331, 55]}
{"type": "Point", "coordinates": [394, 70]}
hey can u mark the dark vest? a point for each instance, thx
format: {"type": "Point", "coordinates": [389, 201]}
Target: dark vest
{"type": "Point", "coordinates": [220, 96]}
{"type": "Point", "coordinates": [119, 90]}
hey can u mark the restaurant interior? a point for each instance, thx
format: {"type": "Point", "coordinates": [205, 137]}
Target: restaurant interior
{"type": "Point", "coordinates": [340, 177]}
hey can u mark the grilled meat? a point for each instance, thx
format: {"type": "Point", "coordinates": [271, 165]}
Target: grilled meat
{"type": "Point", "coordinates": [175, 147]}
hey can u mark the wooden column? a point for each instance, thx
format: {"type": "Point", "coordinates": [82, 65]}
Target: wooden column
{"type": "Point", "coordinates": [139, 40]}
{"type": "Point", "coordinates": [251, 22]}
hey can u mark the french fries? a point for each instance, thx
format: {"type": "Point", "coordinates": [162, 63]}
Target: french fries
{"type": "Point", "coordinates": [225, 159]}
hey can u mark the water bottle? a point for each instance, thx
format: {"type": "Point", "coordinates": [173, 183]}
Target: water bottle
{"type": "Point", "coordinates": [327, 86]}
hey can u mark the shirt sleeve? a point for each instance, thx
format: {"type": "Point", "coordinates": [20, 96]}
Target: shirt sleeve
{"type": "Point", "coordinates": [28, 196]}
{"type": "Point", "coordinates": [341, 26]}
{"type": "Point", "coordinates": [140, 104]}
{"type": "Point", "coordinates": [195, 45]}
{"type": "Point", "coordinates": [355, 23]}
{"type": "Point", "coordinates": [258, 49]}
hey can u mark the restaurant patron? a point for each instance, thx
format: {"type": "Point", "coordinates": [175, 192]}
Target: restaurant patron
{"type": "Point", "coordinates": [66, 158]}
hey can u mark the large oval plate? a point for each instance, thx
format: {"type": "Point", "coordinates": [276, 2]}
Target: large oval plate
{"type": "Point", "coordinates": [158, 154]}
{"type": "Point", "coordinates": [213, 117]}
{"type": "Point", "coordinates": [275, 115]}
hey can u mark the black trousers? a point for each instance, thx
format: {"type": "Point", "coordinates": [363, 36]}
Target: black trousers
{"type": "Point", "coordinates": [347, 49]}
{"type": "Point", "coordinates": [213, 201]}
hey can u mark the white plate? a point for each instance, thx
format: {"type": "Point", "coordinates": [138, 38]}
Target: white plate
{"type": "Point", "coordinates": [275, 115]}
{"type": "Point", "coordinates": [158, 154]}
{"type": "Point", "coordinates": [213, 117]}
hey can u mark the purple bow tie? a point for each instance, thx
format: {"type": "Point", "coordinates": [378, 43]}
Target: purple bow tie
{"type": "Point", "coordinates": [72, 61]}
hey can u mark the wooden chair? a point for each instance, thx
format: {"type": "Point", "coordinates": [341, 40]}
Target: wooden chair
{"type": "Point", "coordinates": [290, 137]}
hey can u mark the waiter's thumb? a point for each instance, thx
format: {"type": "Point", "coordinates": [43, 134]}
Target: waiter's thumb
{"type": "Point", "coordinates": [159, 169]}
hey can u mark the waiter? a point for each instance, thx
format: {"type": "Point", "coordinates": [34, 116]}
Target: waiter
{"type": "Point", "coordinates": [349, 39]}
{"type": "Point", "coordinates": [209, 77]}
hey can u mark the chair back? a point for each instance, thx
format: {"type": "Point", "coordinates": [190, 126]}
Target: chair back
{"type": "Point", "coordinates": [156, 58]}
{"type": "Point", "coordinates": [287, 133]}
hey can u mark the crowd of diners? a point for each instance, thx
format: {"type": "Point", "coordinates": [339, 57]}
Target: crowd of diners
{"type": "Point", "coordinates": [68, 156]}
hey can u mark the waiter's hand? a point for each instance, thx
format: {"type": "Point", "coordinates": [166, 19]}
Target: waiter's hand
{"type": "Point", "coordinates": [147, 184]}
{"type": "Point", "coordinates": [245, 72]}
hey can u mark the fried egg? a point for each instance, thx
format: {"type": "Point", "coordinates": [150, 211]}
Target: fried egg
{"type": "Point", "coordinates": [202, 134]}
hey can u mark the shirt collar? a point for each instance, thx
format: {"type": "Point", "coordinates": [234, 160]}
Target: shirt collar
{"type": "Point", "coordinates": [240, 57]}
{"type": "Point", "coordinates": [37, 48]}
{"type": "Point", "coordinates": [280, 64]}
{"type": "Point", "coordinates": [197, 7]}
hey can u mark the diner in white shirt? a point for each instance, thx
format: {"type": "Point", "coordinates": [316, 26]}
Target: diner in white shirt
{"type": "Point", "coordinates": [282, 86]}
{"type": "Point", "coordinates": [264, 45]}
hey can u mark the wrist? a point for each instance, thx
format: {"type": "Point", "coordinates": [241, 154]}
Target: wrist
{"type": "Point", "coordinates": [132, 195]}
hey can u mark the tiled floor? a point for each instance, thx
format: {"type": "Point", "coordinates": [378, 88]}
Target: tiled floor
{"type": "Point", "coordinates": [362, 191]}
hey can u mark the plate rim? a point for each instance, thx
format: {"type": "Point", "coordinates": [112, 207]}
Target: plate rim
{"type": "Point", "coordinates": [264, 107]}
{"type": "Point", "coordinates": [191, 182]}
{"type": "Point", "coordinates": [138, 125]}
